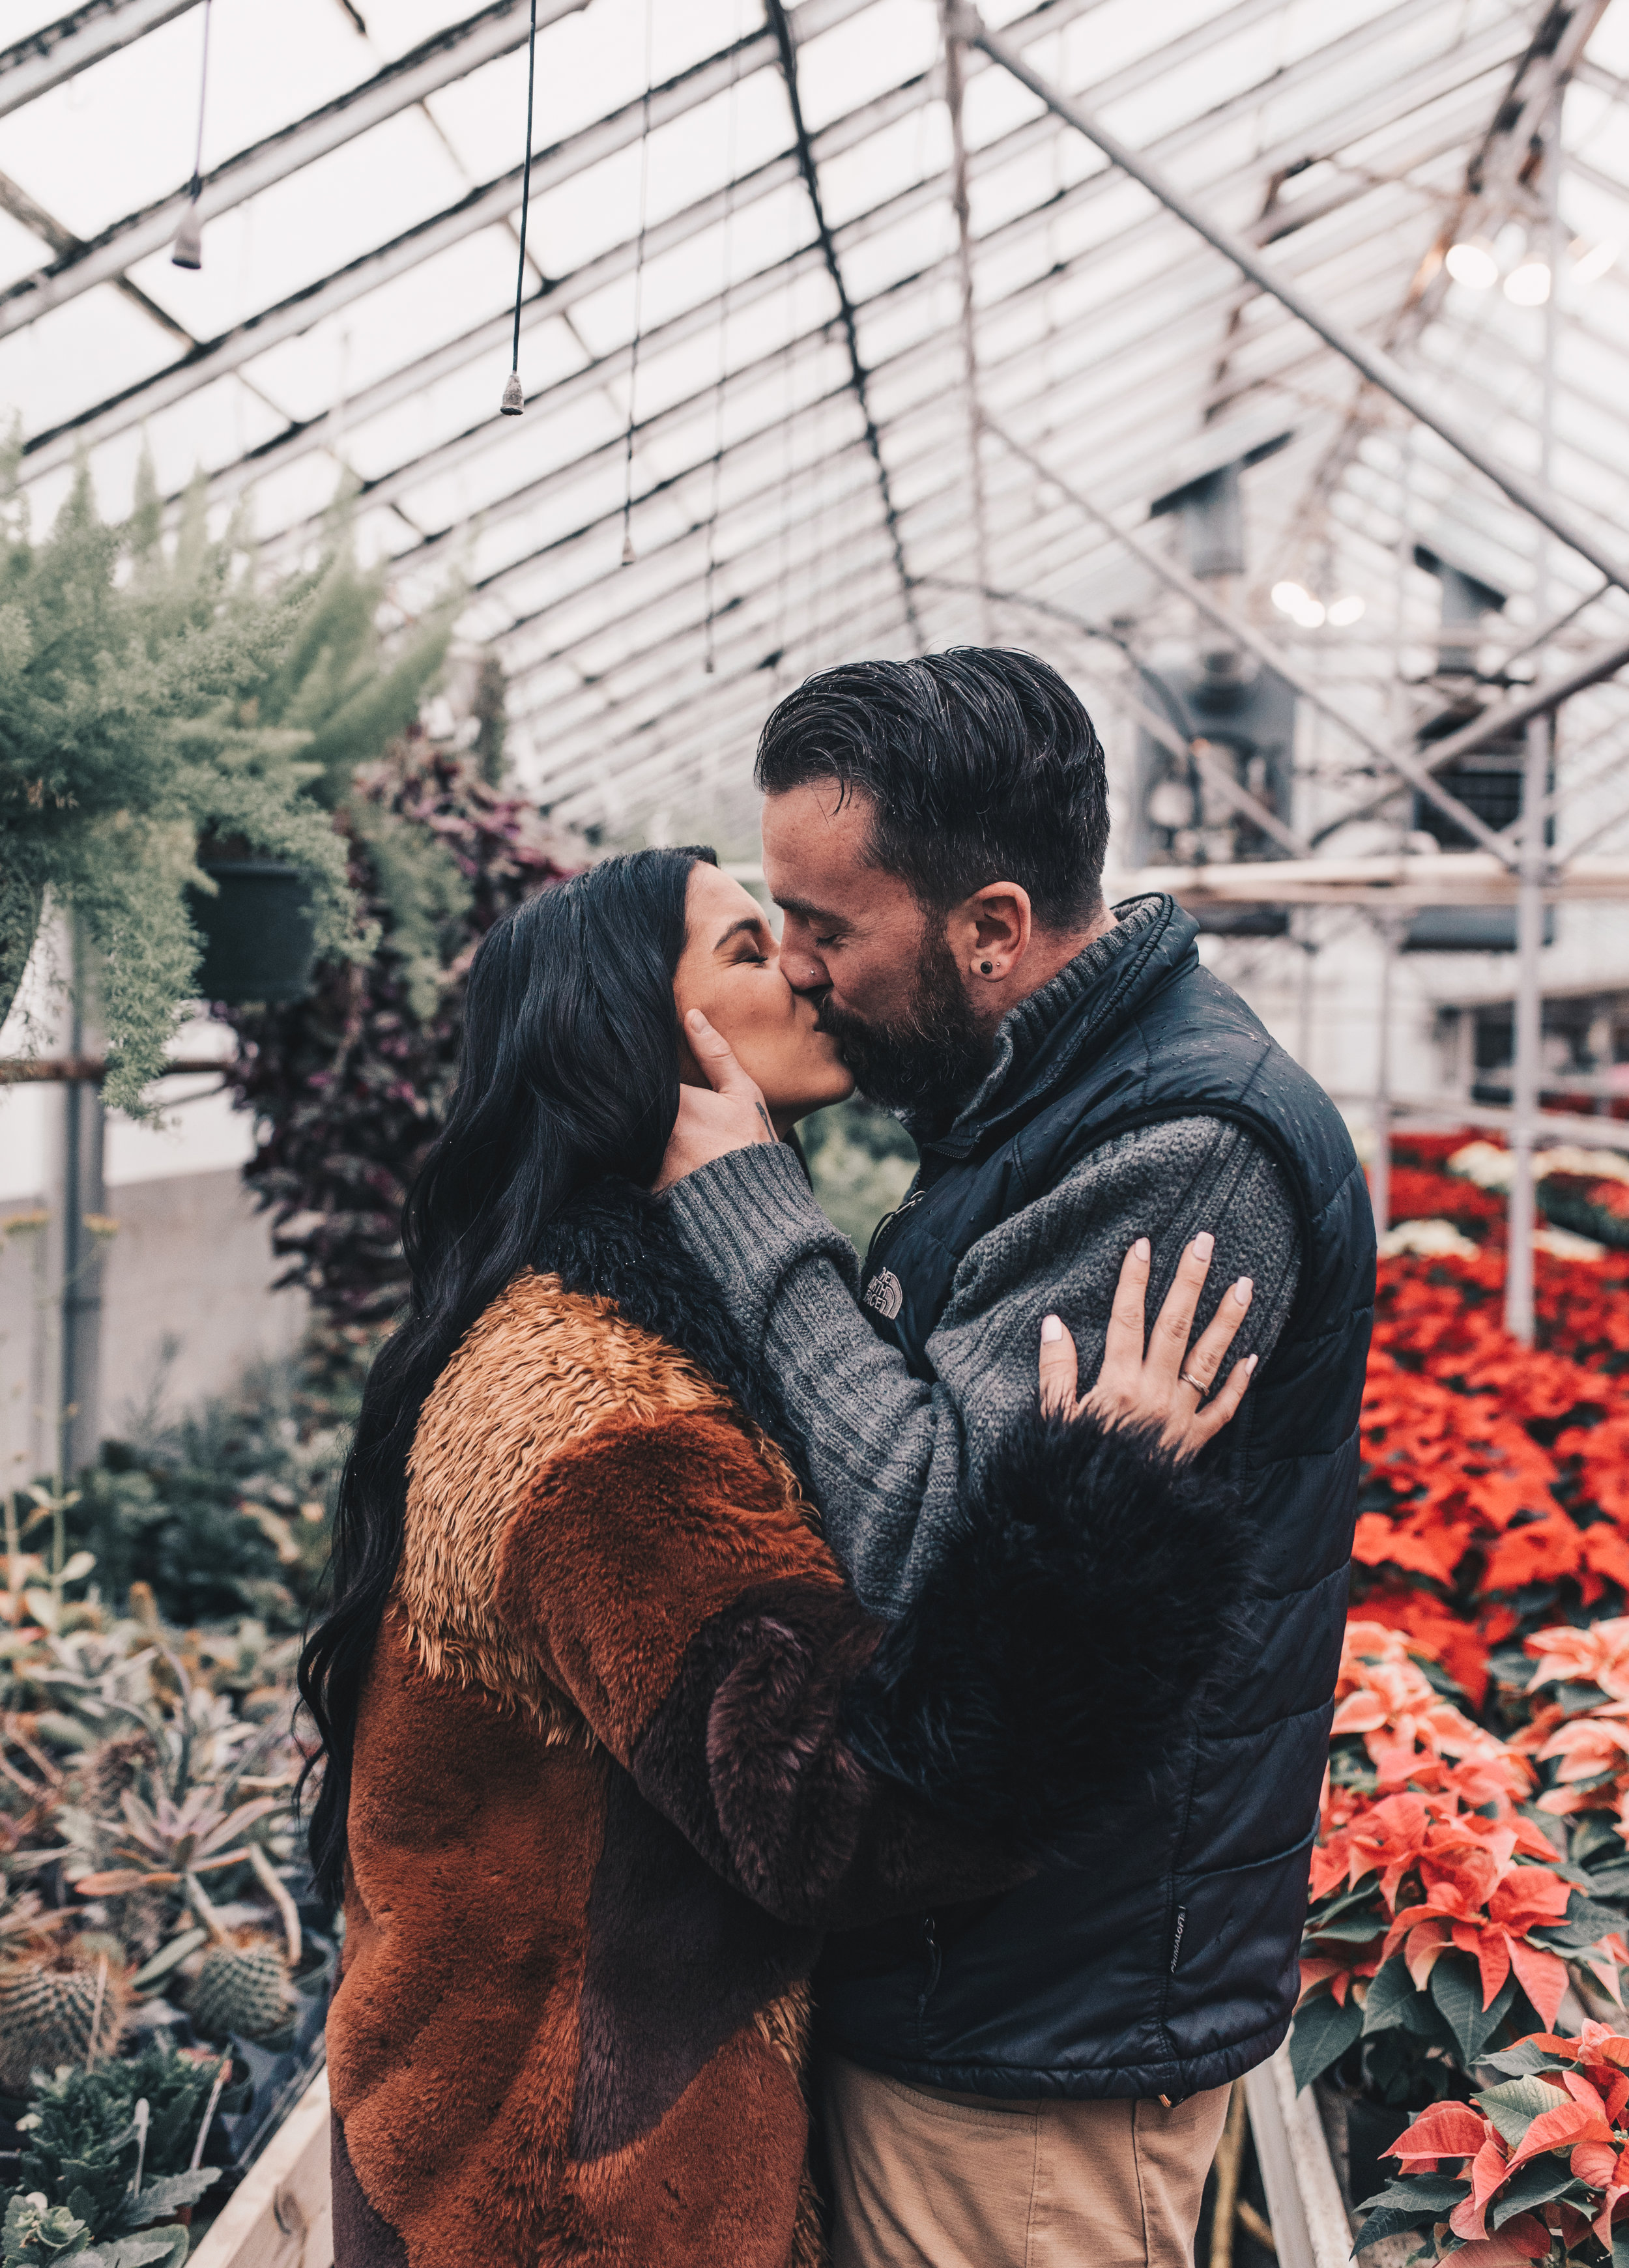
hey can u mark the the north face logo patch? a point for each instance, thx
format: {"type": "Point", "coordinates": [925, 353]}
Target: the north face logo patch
{"type": "Point", "coordinates": [884, 1294]}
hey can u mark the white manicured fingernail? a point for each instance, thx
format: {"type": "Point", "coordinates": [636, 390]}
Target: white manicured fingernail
{"type": "Point", "coordinates": [1250, 1361]}
{"type": "Point", "coordinates": [696, 1021]}
{"type": "Point", "coordinates": [1052, 1330]}
{"type": "Point", "coordinates": [1205, 1244]}
{"type": "Point", "coordinates": [1241, 1290]}
{"type": "Point", "coordinates": [1141, 1247]}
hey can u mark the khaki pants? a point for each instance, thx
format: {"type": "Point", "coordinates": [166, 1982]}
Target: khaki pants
{"type": "Point", "coordinates": [926, 2179]}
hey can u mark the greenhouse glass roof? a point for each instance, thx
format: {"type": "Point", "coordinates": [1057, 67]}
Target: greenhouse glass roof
{"type": "Point", "coordinates": [758, 344]}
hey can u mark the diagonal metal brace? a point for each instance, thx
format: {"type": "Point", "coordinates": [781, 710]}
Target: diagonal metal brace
{"type": "Point", "coordinates": [1378, 367]}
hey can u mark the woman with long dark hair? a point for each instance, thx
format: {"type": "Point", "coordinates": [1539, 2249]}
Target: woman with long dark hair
{"type": "Point", "coordinates": [607, 1743]}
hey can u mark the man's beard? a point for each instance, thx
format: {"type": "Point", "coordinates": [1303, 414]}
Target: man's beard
{"type": "Point", "coordinates": [927, 1061]}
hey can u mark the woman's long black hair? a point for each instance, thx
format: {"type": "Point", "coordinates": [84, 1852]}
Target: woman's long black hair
{"type": "Point", "coordinates": [568, 1074]}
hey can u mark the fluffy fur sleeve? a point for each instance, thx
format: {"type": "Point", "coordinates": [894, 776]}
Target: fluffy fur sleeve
{"type": "Point", "coordinates": [1087, 1592]}
{"type": "Point", "coordinates": [709, 1638]}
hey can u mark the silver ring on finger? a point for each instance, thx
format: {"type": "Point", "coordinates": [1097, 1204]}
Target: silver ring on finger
{"type": "Point", "coordinates": [1194, 1383]}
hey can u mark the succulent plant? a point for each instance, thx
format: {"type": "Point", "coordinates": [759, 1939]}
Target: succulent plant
{"type": "Point", "coordinates": [243, 1988]}
{"type": "Point", "coordinates": [59, 2005]}
{"type": "Point", "coordinates": [105, 1771]}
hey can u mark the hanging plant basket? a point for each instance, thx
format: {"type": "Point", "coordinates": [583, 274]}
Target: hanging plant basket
{"type": "Point", "coordinates": [259, 938]}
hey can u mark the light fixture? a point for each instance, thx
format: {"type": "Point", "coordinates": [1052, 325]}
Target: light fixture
{"type": "Point", "coordinates": [1299, 604]}
{"type": "Point", "coordinates": [1473, 264]}
{"type": "Point", "coordinates": [1347, 611]}
{"type": "Point", "coordinates": [1594, 263]}
{"type": "Point", "coordinates": [1527, 286]}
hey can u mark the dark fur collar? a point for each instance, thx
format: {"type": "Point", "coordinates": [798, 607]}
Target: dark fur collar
{"type": "Point", "coordinates": [618, 1241]}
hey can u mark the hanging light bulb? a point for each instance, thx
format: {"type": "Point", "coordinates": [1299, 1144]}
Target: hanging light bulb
{"type": "Point", "coordinates": [1529, 285]}
{"type": "Point", "coordinates": [1593, 263]}
{"type": "Point", "coordinates": [1344, 612]}
{"type": "Point", "coordinates": [1299, 604]}
{"type": "Point", "coordinates": [1473, 264]}
{"type": "Point", "coordinates": [188, 249]}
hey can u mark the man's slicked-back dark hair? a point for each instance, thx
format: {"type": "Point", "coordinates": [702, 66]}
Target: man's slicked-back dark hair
{"type": "Point", "coordinates": [981, 764]}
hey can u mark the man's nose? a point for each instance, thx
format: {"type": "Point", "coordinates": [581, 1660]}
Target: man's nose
{"type": "Point", "coordinates": [803, 970]}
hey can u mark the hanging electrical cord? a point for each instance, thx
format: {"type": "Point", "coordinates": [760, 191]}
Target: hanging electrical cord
{"type": "Point", "coordinates": [638, 283]}
{"type": "Point", "coordinates": [188, 250]}
{"type": "Point", "coordinates": [969, 340]}
{"type": "Point", "coordinates": [513, 403]}
{"type": "Point", "coordinates": [708, 659]}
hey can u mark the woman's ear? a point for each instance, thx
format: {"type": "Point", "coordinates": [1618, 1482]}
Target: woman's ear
{"type": "Point", "coordinates": [690, 1072]}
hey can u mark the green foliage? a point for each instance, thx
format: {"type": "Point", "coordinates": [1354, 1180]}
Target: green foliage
{"type": "Point", "coordinates": [862, 1161]}
{"type": "Point", "coordinates": [81, 2138]}
{"type": "Point", "coordinates": [153, 699]}
{"type": "Point", "coordinates": [227, 1511]}
{"type": "Point", "coordinates": [348, 1085]}
{"type": "Point", "coordinates": [131, 679]}
{"type": "Point", "coordinates": [38, 2233]}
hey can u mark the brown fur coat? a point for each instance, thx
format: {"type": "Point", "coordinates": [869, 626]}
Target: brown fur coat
{"type": "Point", "coordinates": [601, 1810]}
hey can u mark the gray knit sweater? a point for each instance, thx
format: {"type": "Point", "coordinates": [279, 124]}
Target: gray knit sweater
{"type": "Point", "coordinates": [888, 1456]}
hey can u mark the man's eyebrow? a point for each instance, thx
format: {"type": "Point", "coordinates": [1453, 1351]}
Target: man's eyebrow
{"type": "Point", "coordinates": [747, 922]}
{"type": "Point", "coordinates": [801, 906]}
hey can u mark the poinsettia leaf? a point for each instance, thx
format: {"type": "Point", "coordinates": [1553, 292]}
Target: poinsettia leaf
{"type": "Point", "coordinates": [1584, 1923]}
{"type": "Point", "coordinates": [1594, 1832]}
{"type": "Point", "coordinates": [1620, 2247]}
{"type": "Point", "coordinates": [1611, 1882]}
{"type": "Point", "coordinates": [1438, 2193]}
{"type": "Point", "coordinates": [1391, 1990]}
{"type": "Point", "coordinates": [1354, 1929]}
{"type": "Point", "coordinates": [1456, 1988]}
{"type": "Point", "coordinates": [1390, 2221]}
{"type": "Point", "coordinates": [1524, 2059]}
{"type": "Point", "coordinates": [1536, 2183]}
{"type": "Point", "coordinates": [1323, 2032]}
{"type": "Point", "coordinates": [1514, 2105]}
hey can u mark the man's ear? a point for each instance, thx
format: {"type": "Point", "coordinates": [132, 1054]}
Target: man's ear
{"type": "Point", "coordinates": [989, 933]}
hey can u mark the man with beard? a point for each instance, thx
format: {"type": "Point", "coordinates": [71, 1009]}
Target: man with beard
{"type": "Point", "coordinates": [1043, 2077]}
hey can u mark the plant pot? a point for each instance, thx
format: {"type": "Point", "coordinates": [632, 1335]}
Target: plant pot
{"type": "Point", "coordinates": [257, 931]}
{"type": "Point", "coordinates": [1371, 2130]}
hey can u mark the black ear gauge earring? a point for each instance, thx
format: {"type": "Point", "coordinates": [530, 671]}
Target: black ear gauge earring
{"type": "Point", "coordinates": [987, 967]}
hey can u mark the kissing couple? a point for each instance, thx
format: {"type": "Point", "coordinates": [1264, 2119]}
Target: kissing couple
{"type": "Point", "coordinates": [808, 1781]}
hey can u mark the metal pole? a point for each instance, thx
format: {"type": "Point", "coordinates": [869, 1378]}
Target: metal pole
{"type": "Point", "coordinates": [1379, 1171]}
{"type": "Point", "coordinates": [1528, 1017]}
{"type": "Point", "coordinates": [1532, 497]}
{"type": "Point", "coordinates": [1522, 1215]}
{"type": "Point", "coordinates": [80, 1184]}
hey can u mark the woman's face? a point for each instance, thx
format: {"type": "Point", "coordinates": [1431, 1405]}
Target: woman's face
{"type": "Point", "coordinates": [730, 969]}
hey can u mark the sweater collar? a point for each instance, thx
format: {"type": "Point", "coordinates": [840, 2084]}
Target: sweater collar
{"type": "Point", "coordinates": [1043, 1040]}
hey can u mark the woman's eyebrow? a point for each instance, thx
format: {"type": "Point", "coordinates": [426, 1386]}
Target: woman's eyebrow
{"type": "Point", "coordinates": [753, 921]}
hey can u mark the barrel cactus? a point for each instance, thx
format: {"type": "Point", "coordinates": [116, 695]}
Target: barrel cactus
{"type": "Point", "coordinates": [63, 2005]}
{"type": "Point", "coordinates": [242, 1987]}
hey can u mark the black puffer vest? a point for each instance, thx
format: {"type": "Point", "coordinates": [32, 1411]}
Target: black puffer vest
{"type": "Point", "coordinates": [1156, 1954]}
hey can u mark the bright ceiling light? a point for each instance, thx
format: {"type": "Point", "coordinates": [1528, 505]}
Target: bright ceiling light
{"type": "Point", "coordinates": [1300, 605]}
{"type": "Point", "coordinates": [1347, 611]}
{"type": "Point", "coordinates": [1595, 263]}
{"type": "Point", "coordinates": [1473, 264]}
{"type": "Point", "coordinates": [1527, 286]}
